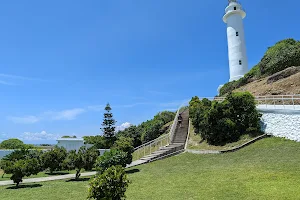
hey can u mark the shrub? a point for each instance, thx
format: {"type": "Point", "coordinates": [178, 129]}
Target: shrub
{"type": "Point", "coordinates": [110, 158]}
{"type": "Point", "coordinates": [89, 157]}
{"type": "Point", "coordinates": [125, 144]}
{"type": "Point", "coordinates": [223, 122]}
{"type": "Point", "coordinates": [198, 108]}
{"type": "Point", "coordinates": [111, 185]}
{"type": "Point", "coordinates": [54, 159]}
{"type": "Point", "coordinates": [98, 141]}
{"type": "Point", "coordinates": [74, 160]}
{"type": "Point", "coordinates": [132, 132]}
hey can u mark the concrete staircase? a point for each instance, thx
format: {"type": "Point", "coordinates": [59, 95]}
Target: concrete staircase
{"type": "Point", "coordinates": [176, 145]}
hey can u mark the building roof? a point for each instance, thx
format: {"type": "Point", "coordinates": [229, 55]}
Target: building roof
{"type": "Point", "coordinates": [70, 139]}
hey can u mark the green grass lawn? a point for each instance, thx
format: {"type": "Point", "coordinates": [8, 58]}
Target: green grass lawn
{"type": "Point", "coordinates": [267, 169]}
{"type": "Point", "coordinates": [195, 142]}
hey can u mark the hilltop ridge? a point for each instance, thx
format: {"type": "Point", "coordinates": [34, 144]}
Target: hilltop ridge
{"type": "Point", "coordinates": [274, 74]}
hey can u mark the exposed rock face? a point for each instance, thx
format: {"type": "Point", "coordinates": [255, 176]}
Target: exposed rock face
{"type": "Point", "coordinates": [283, 74]}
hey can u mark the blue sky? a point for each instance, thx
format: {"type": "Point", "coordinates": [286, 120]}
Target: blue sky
{"type": "Point", "coordinates": [62, 61]}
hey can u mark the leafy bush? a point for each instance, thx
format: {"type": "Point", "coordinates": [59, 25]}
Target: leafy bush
{"type": "Point", "coordinates": [22, 168]}
{"type": "Point", "coordinates": [89, 157]}
{"type": "Point", "coordinates": [283, 54]}
{"type": "Point", "coordinates": [111, 185]}
{"type": "Point", "coordinates": [110, 158]}
{"type": "Point", "coordinates": [54, 159]}
{"type": "Point", "coordinates": [133, 132]}
{"type": "Point", "coordinates": [198, 110]}
{"type": "Point", "coordinates": [125, 144]}
{"type": "Point", "coordinates": [98, 141]}
{"type": "Point", "coordinates": [74, 160]}
{"type": "Point", "coordinates": [223, 122]}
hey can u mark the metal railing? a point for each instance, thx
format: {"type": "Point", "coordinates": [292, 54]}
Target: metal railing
{"type": "Point", "coordinates": [286, 101]}
{"type": "Point", "coordinates": [162, 141]}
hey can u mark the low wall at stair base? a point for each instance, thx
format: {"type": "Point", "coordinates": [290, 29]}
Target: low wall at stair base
{"type": "Point", "coordinates": [281, 122]}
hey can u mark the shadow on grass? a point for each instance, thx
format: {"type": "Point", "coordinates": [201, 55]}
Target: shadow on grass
{"type": "Point", "coordinates": [57, 173]}
{"type": "Point", "coordinates": [132, 171]}
{"type": "Point", "coordinates": [25, 186]}
{"type": "Point", "coordinates": [78, 180]}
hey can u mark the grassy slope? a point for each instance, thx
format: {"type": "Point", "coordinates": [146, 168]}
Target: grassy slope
{"type": "Point", "coordinates": [267, 169]}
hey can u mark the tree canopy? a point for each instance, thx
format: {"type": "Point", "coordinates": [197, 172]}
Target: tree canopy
{"type": "Point", "coordinates": [12, 144]}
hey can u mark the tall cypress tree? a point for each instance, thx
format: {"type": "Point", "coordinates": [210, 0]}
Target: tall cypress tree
{"type": "Point", "coordinates": [108, 126]}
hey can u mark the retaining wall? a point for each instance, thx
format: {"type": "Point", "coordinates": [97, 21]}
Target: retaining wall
{"type": "Point", "coordinates": [281, 121]}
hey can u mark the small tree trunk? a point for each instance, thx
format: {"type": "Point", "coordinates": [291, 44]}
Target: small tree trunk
{"type": "Point", "coordinates": [3, 175]}
{"type": "Point", "coordinates": [17, 184]}
{"type": "Point", "coordinates": [77, 174]}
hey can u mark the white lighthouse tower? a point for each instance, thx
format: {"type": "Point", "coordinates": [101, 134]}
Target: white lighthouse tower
{"type": "Point", "coordinates": [238, 62]}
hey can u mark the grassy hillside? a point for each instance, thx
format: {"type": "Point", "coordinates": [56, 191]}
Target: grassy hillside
{"type": "Point", "coordinates": [267, 169]}
{"type": "Point", "coordinates": [282, 55]}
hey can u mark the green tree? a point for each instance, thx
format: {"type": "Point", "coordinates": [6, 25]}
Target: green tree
{"type": "Point", "coordinates": [89, 157]}
{"type": "Point", "coordinates": [21, 168]}
{"type": "Point", "coordinates": [110, 158]}
{"type": "Point", "coordinates": [98, 141]}
{"type": "Point", "coordinates": [224, 122]}
{"type": "Point", "coordinates": [53, 159]}
{"type": "Point", "coordinates": [111, 185]}
{"type": "Point", "coordinates": [22, 154]}
{"type": "Point", "coordinates": [108, 126]}
{"type": "Point", "coordinates": [67, 136]}
{"type": "Point", "coordinates": [75, 160]}
{"type": "Point", "coordinates": [125, 144]}
{"type": "Point", "coordinates": [6, 166]}
{"type": "Point", "coordinates": [133, 132]}
{"type": "Point", "coordinates": [12, 144]}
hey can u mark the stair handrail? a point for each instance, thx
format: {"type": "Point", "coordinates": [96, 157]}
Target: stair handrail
{"type": "Point", "coordinates": [170, 134]}
{"type": "Point", "coordinates": [174, 125]}
{"type": "Point", "coordinates": [151, 142]}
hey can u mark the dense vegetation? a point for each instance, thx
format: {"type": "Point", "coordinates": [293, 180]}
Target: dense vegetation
{"type": "Point", "coordinates": [223, 122]}
{"type": "Point", "coordinates": [142, 133]}
{"type": "Point", "coordinates": [149, 130]}
{"type": "Point", "coordinates": [283, 54]}
{"type": "Point", "coordinates": [27, 162]}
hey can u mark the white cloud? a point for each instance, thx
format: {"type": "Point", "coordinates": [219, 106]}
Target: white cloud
{"type": "Point", "coordinates": [70, 114]}
{"type": "Point", "coordinates": [24, 120]}
{"type": "Point", "coordinates": [65, 114]}
{"type": "Point", "coordinates": [123, 126]}
{"type": "Point", "coordinates": [43, 135]}
{"type": "Point", "coordinates": [96, 107]}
